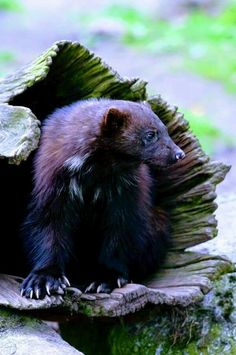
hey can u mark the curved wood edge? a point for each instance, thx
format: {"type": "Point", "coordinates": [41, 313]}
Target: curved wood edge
{"type": "Point", "coordinates": [182, 285]}
{"type": "Point", "coordinates": [77, 56]}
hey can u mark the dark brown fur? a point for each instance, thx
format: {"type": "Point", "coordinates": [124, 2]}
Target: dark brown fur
{"type": "Point", "coordinates": [92, 212]}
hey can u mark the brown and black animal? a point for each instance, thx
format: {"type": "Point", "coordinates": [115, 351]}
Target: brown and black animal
{"type": "Point", "coordinates": [91, 216]}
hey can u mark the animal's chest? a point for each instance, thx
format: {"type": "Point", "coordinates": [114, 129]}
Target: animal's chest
{"type": "Point", "coordinates": [105, 202]}
{"type": "Point", "coordinates": [100, 191]}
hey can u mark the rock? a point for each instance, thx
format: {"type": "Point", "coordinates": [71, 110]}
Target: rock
{"type": "Point", "coordinates": [224, 243]}
{"type": "Point", "coordinates": [19, 133]}
{"type": "Point", "coordinates": [23, 335]}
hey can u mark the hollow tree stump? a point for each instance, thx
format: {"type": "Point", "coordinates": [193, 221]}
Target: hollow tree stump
{"type": "Point", "coordinates": [69, 72]}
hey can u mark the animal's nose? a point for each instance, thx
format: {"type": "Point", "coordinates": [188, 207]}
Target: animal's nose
{"type": "Point", "coordinates": [180, 155]}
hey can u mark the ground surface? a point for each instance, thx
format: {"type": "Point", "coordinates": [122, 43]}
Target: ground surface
{"type": "Point", "coordinates": [42, 22]}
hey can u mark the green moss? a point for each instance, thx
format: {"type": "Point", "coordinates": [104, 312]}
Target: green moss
{"type": "Point", "coordinates": [86, 309]}
{"type": "Point", "coordinates": [10, 318]}
{"type": "Point", "coordinates": [204, 329]}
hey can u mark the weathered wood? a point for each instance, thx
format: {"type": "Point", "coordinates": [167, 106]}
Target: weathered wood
{"type": "Point", "coordinates": [69, 72]}
{"type": "Point", "coordinates": [10, 297]}
{"type": "Point", "coordinates": [190, 186]}
{"type": "Point", "coordinates": [184, 281]}
{"type": "Point", "coordinates": [64, 73]}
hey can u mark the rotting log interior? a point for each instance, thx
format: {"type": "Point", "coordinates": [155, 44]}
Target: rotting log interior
{"type": "Point", "coordinates": [76, 74]}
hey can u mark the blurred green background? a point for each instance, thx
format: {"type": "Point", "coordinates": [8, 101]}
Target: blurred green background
{"type": "Point", "coordinates": [206, 43]}
{"type": "Point", "coordinates": [195, 39]}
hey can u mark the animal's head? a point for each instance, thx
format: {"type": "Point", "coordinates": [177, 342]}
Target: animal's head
{"type": "Point", "coordinates": [135, 130]}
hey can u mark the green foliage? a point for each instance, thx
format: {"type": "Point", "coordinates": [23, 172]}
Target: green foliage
{"type": "Point", "coordinates": [205, 44]}
{"type": "Point", "coordinates": [6, 56]}
{"type": "Point", "coordinates": [10, 5]}
{"type": "Point", "coordinates": [208, 135]}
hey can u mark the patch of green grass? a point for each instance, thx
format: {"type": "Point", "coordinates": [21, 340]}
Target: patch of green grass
{"type": "Point", "coordinates": [10, 5]}
{"type": "Point", "coordinates": [209, 136]}
{"type": "Point", "coordinates": [206, 44]}
{"type": "Point", "coordinates": [6, 56]}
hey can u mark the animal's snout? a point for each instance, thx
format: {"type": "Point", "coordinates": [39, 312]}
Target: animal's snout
{"type": "Point", "coordinates": [179, 155]}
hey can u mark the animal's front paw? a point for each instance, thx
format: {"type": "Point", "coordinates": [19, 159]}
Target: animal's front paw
{"type": "Point", "coordinates": [105, 287]}
{"type": "Point", "coordinates": [38, 285]}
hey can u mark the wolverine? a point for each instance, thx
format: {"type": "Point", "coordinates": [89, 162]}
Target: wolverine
{"type": "Point", "coordinates": [92, 217]}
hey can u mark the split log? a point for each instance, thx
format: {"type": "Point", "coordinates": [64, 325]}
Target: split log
{"type": "Point", "coordinates": [69, 72]}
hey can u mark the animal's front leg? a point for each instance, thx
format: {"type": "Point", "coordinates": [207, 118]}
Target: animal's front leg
{"type": "Point", "coordinates": [105, 285]}
{"type": "Point", "coordinates": [41, 282]}
{"type": "Point", "coordinates": [48, 274]}
{"type": "Point", "coordinates": [47, 234]}
{"type": "Point", "coordinates": [112, 273]}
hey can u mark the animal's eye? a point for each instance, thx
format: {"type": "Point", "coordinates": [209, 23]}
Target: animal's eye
{"type": "Point", "coordinates": [150, 136]}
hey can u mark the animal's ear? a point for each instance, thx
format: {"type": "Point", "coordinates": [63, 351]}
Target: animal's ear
{"type": "Point", "coordinates": [114, 119]}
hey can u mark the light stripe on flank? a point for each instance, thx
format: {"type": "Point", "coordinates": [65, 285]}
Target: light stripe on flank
{"type": "Point", "coordinates": [97, 194]}
{"type": "Point", "coordinates": [75, 162]}
{"type": "Point", "coordinates": [75, 189]}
